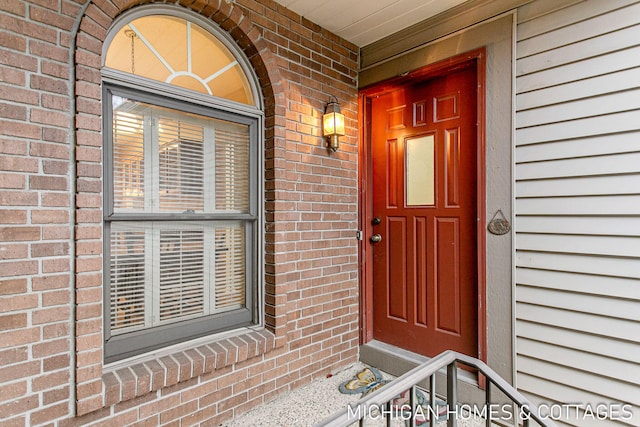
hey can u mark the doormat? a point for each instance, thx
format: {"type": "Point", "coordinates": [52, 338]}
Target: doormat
{"type": "Point", "coordinates": [370, 379]}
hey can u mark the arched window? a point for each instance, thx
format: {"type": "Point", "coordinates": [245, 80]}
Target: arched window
{"type": "Point", "coordinates": [176, 51]}
{"type": "Point", "coordinates": [182, 133]}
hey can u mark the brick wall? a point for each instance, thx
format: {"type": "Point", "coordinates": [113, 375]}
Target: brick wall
{"type": "Point", "coordinates": [51, 370]}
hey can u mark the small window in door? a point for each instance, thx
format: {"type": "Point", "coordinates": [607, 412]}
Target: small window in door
{"type": "Point", "coordinates": [420, 170]}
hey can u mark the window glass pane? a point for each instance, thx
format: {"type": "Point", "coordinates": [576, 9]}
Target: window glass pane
{"type": "Point", "coordinates": [128, 161]}
{"type": "Point", "coordinates": [181, 273]}
{"type": "Point", "coordinates": [181, 174]}
{"type": "Point", "coordinates": [232, 167]}
{"type": "Point", "coordinates": [229, 267]}
{"type": "Point", "coordinates": [127, 277]}
{"type": "Point", "coordinates": [164, 272]}
{"type": "Point", "coordinates": [170, 161]}
{"type": "Point", "coordinates": [175, 51]}
{"type": "Point", "coordinates": [420, 171]}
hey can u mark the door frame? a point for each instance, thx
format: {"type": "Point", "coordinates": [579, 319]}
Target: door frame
{"type": "Point", "coordinates": [477, 56]}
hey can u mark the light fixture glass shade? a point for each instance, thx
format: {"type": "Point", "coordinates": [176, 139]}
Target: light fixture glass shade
{"type": "Point", "coordinates": [333, 125]}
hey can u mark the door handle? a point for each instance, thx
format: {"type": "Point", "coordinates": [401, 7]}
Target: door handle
{"type": "Point", "coordinates": [375, 238]}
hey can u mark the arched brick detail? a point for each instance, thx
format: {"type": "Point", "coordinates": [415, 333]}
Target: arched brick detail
{"type": "Point", "coordinates": [96, 390]}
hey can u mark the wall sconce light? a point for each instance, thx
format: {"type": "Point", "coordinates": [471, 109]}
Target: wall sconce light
{"type": "Point", "coordinates": [333, 124]}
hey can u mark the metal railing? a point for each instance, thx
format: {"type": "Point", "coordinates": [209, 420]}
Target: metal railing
{"type": "Point", "coordinates": [382, 399]}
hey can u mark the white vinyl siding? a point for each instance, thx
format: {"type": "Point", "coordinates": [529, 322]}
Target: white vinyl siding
{"type": "Point", "coordinates": [577, 189]}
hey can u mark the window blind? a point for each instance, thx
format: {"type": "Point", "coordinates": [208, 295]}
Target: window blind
{"type": "Point", "coordinates": [181, 280]}
{"type": "Point", "coordinates": [232, 168]}
{"type": "Point", "coordinates": [230, 268]}
{"type": "Point", "coordinates": [181, 169]}
{"type": "Point", "coordinates": [128, 161]}
{"type": "Point", "coordinates": [127, 277]}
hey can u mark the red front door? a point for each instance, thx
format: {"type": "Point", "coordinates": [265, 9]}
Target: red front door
{"type": "Point", "coordinates": [424, 209]}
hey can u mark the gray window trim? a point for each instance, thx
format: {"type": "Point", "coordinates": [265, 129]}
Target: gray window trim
{"type": "Point", "coordinates": [130, 344]}
{"type": "Point", "coordinates": [127, 345]}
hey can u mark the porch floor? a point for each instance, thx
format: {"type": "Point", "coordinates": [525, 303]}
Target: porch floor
{"type": "Point", "coordinates": [312, 403]}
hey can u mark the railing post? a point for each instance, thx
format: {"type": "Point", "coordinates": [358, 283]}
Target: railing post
{"type": "Point", "coordinates": [487, 400]}
{"type": "Point", "coordinates": [452, 395]}
{"type": "Point", "coordinates": [413, 399]}
{"type": "Point", "coordinates": [432, 400]}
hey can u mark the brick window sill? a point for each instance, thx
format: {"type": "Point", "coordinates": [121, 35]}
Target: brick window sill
{"type": "Point", "coordinates": [141, 378]}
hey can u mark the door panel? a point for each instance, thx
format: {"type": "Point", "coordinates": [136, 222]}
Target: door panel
{"type": "Point", "coordinates": [423, 150]}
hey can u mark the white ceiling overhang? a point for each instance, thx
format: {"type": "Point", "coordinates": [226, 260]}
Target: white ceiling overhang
{"type": "Point", "coordinates": [365, 21]}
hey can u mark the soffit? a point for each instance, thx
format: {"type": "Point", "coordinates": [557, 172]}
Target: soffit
{"type": "Point", "coordinates": [363, 22]}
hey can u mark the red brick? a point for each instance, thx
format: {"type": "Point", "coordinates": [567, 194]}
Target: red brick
{"type": "Point", "coordinates": [50, 315]}
{"type": "Point", "coordinates": [18, 406]}
{"type": "Point", "coordinates": [19, 234]}
{"type": "Point", "coordinates": [14, 8]}
{"type": "Point", "coordinates": [49, 84]}
{"type": "Point", "coordinates": [17, 60]}
{"type": "Point", "coordinates": [40, 182]}
{"type": "Point", "coordinates": [18, 251]}
{"type": "Point", "coordinates": [12, 146]}
{"type": "Point", "coordinates": [88, 311]}
{"type": "Point", "coordinates": [48, 381]}
{"type": "Point", "coordinates": [49, 249]}
{"type": "Point", "coordinates": [51, 151]}
{"type": "Point", "coordinates": [47, 50]}
{"type": "Point", "coordinates": [18, 94]}
{"type": "Point", "coordinates": [51, 348]}
{"type": "Point", "coordinates": [48, 117]}
{"type": "Point", "coordinates": [18, 164]}
{"type": "Point", "coordinates": [55, 70]}
{"type": "Point", "coordinates": [53, 281]}
{"type": "Point", "coordinates": [10, 111]}
{"type": "Point", "coordinates": [89, 335]}
{"type": "Point", "coordinates": [55, 265]}
{"type": "Point", "coordinates": [13, 286]}
{"type": "Point", "coordinates": [22, 370]}
{"type": "Point", "coordinates": [24, 130]}
{"type": "Point", "coordinates": [88, 248]}
{"type": "Point", "coordinates": [56, 135]}
{"type": "Point", "coordinates": [49, 216]}
{"type": "Point", "coordinates": [88, 296]}
{"type": "Point", "coordinates": [60, 297]}
{"type": "Point", "coordinates": [12, 391]}
{"type": "Point", "coordinates": [49, 413]}
{"type": "Point", "coordinates": [52, 167]}
{"type": "Point", "coordinates": [88, 154]}
{"type": "Point", "coordinates": [13, 321]}
{"type": "Point", "coordinates": [12, 181]}
{"type": "Point", "coordinates": [56, 395]}
{"type": "Point", "coordinates": [8, 216]}
{"type": "Point", "coordinates": [90, 389]}
{"type": "Point", "coordinates": [56, 232]}
{"type": "Point", "coordinates": [13, 355]}
{"type": "Point", "coordinates": [18, 268]}
{"type": "Point", "coordinates": [56, 362]}
{"type": "Point", "coordinates": [55, 330]}
{"type": "Point", "coordinates": [18, 198]}
{"type": "Point", "coordinates": [55, 200]}
{"type": "Point", "coordinates": [178, 411]}
{"type": "Point", "coordinates": [88, 264]}
{"type": "Point", "coordinates": [89, 232]}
